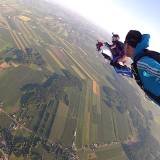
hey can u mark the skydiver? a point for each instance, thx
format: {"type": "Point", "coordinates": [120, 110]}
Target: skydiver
{"type": "Point", "coordinates": [117, 49]}
{"type": "Point", "coordinates": [146, 63]}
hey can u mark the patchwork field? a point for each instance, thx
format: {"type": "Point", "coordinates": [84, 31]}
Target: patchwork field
{"type": "Point", "coordinates": [86, 119]}
{"type": "Point", "coordinates": [57, 92]}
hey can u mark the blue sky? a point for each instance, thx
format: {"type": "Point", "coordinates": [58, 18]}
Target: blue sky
{"type": "Point", "coordinates": [120, 16]}
{"type": "Point", "coordinates": [145, 10]}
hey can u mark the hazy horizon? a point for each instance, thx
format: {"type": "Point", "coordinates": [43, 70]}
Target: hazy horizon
{"type": "Point", "coordinates": [119, 16]}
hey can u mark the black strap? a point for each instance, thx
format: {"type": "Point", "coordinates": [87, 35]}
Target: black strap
{"type": "Point", "coordinates": [136, 74]}
{"type": "Point", "coordinates": [152, 54]}
{"type": "Point", "coordinates": [152, 96]}
{"type": "Point", "coordinates": [135, 70]}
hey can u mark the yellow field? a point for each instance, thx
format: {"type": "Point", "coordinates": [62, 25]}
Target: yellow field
{"type": "Point", "coordinates": [35, 36]}
{"type": "Point", "coordinates": [15, 40]}
{"type": "Point", "coordinates": [81, 75]}
{"type": "Point", "coordinates": [56, 59]}
{"type": "Point", "coordinates": [55, 38]}
{"type": "Point", "coordinates": [62, 41]}
{"type": "Point", "coordinates": [19, 41]}
{"type": "Point", "coordinates": [13, 157]}
{"type": "Point", "coordinates": [3, 25]}
{"type": "Point", "coordinates": [23, 41]}
{"type": "Point", "coordinates": [83, 51]}
{"type": "Point", "coordinates": [69, 44]}
{"type": "Point", "coordinates": [59, 122]}
{"type": "Point", "coordinates": [26, 30]}
{"type": "Point", "coordinates": [78, 64]}
{"type": "Point", "coordinates": [24, 18]}
{"type": "Point", "coordinates": [96, 89]}
{"type": "Point", "coordinates": [157, 119]}
{"type": "Point", "coordinates": [25, 35]}
{"type": "Point", "coordinates": [92, 156]}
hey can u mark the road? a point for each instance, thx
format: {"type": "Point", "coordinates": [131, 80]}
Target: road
{"type": "Point", "coordinates": [14, 120]}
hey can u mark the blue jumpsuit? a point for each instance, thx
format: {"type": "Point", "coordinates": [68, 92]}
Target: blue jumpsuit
{"type": "Point", "coordinates": [148, 69]}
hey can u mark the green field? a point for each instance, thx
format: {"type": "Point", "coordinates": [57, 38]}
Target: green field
{"type": "Point", "coordinates": [13, 79]}
{"type": "Point", "coordinates": [73, 97]}
{"type": "Point", "coordinates": [5, 36]}
{"type": "Point", "coordinates": [114, 152]}
{"type": "Point", "coordinates": [4, 45]}
{"type": "Point", "coordinates": [59, 122]}
{"type": "Point", "coordinates": [6, 41]}
{"type": "Point", "coordinates": [5, 121]}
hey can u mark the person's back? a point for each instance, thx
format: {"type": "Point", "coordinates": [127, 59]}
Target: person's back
{"type": "Point", "coordinates": [117, 48]}
{"type": "Point", "coordinates": [117, 51]}
{"type": "Point", "coordinates": [149, 73]}
{"type": "Point", "coordinates": [146, 63]}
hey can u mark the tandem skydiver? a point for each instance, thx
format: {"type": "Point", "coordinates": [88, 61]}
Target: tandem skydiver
{"type": "Point", "coordinates": [146, 63]}
{"type": "Point", "coordinates": [115, 54]}
{"type": "Point", "coordinates": [117, 50]}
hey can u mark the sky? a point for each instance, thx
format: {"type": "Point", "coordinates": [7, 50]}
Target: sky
{"type": "Point", "coordinates": [120, 16]}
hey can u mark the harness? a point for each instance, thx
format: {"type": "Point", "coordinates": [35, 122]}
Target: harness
{"type": "Point", "coordinates": [146, 53]}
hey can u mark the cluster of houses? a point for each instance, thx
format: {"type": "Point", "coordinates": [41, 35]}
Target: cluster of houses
{"type": "Point", "coordinates": [8, 146]}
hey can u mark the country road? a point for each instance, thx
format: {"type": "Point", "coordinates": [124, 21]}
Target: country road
{"type": "Point", "coordinates": [21, 125]}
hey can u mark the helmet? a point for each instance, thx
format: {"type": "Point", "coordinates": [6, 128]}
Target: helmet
{"type": "Point", "coordinates": [115, 37]}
